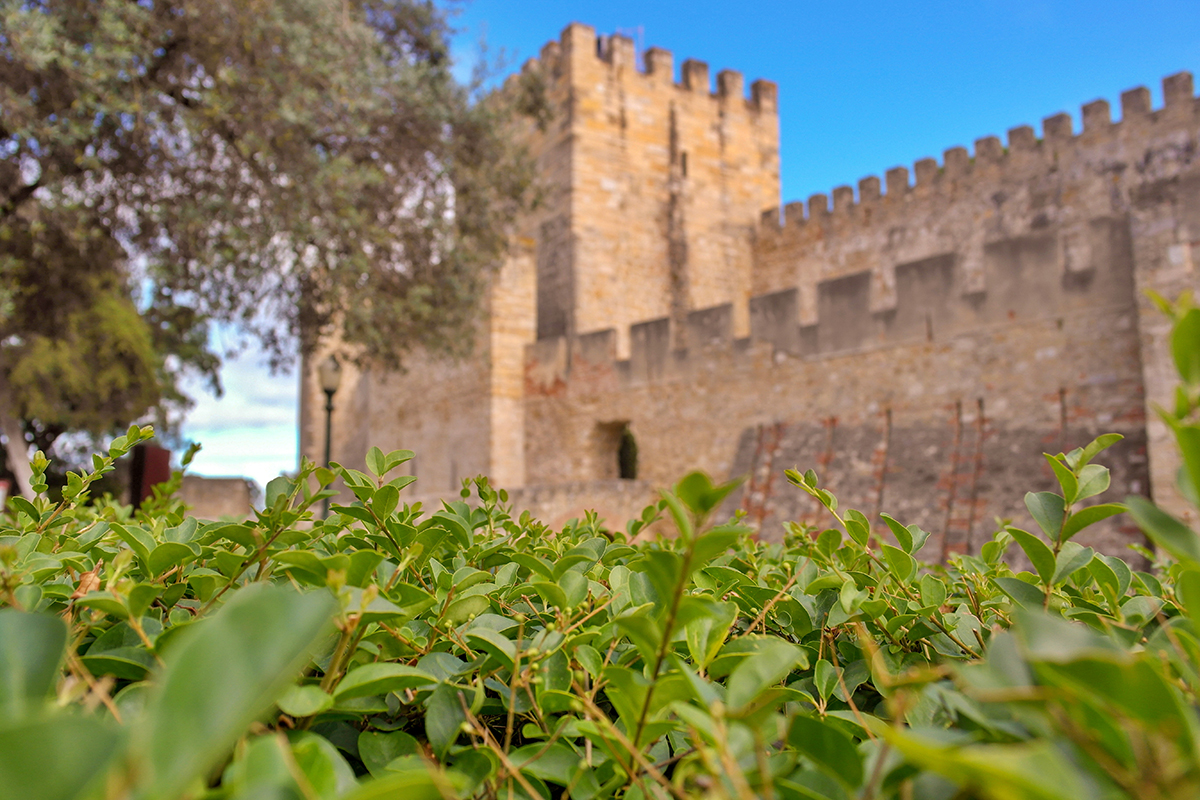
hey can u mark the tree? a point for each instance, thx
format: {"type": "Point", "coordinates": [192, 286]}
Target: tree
{"type": "Point", "coordinates": [299, 168]}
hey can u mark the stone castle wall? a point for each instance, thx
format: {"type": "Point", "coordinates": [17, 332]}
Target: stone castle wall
{"type": "Point", "coordinates": [919, 347]}
{"type": "Point", "coordinates": [918, 342]}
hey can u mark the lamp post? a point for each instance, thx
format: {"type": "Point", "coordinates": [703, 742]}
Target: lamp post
{"type": "Point", "coordinates": [330, 375]}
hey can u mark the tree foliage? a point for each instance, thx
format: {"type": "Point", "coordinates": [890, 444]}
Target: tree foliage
{"type": "Point", "coordinates": [298, 168]}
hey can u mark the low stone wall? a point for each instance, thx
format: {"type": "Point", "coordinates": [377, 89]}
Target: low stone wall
{"type": "Point", "coordinates": [217, 498]}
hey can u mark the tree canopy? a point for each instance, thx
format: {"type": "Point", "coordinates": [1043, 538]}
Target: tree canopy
{"type": "Point", "coordinates": [298, 168]}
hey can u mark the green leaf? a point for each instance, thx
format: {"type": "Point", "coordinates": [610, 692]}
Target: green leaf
{"type": "Point", "coordinates": [1040, 554]}
{"type": "Point", "coordinates": [28, 508]}
{"type": "Point", "coordinates": [858, 526]}
{"type": "Point", "coordinates": [1121, 570]}
{"type": "Point", "coordinates": [303, 701]}
{"type": "Point", "coordinates": [398, 457]}
{"type": "Point", "coordinates": [239, 534]}
{"type": "Point", "coordinates": [828, 541]}
{"type": "Point", "coordinates": [1093, 479]}
{"type": "Point", "coordinates": [1090, 516]}
{"type": "Point", "coordinates": [534, 564]}
{"type": "Point", "coordinates": [683, 522]}
{"type": "Point", "coordinates": [376, 462]}
{"type": "Point", "coordinates": [464, 608]}
{"type": "Point", "coordinates": [277, 489]}
{"type": "Point", "coordinates": [1035, 771]}
{"type": "Point", "coordinates": [551, 593]}
{"type": "Point", "coordinates": [903, 537]}
{"type": "Point", "coordinates": [411, 784]}
{"type": "Point", "coordinates": [324, 768]}
{"type": "Point", "coordinates": [444, 718]}
{"type": "Point", "coordinates": [55, 758]}
{"type": "Point", "coordinates": [763, 669]}
{"type": "Point", "coordinates": [590, 659]}
{"type": "Point", "coordinates": [825, 678]}
{"type": "Point", "coordinates": [168, 555]}
{"type": "Point", "coordinates": [139, 598]}
{"type": "Point", "coordinates": [1045, 637]}
{"type": "Point", "coordinates": [32, 647]}
{"type": "Point", "coordinates": [911, 539]}
{"type": "Point", "coordinates": [1185, 346]}
{"type": "Point", "coordinates": [104, 601]}
{"type": "Point", "coordinates": [1071, 558]}
{"type": "Point", "coordinates": [645, 634]}
{"type": "Point", "coordinates": [705, 634]}
{"type": "Point", "coordinates": [1164, 530]}
{"type": "Point", "coordinates": [830, 750]}
{"type": "Point", "coordinates": [1106, 577]}
{"type": "Point", "coordinates": [139, 541]}
{"type": "Point", "coordinates": [380, 678]}
{"type": "Point", "coordinates": [494, 644]}
{"type": "Point", "coordinates": [184, 532]}
{"type": "Point", "coordinates": [1022, 593]}
{"type": "Point", "coordinates": [903, 566]}
{"type": "Point", "coordinates": [698, 493]}
{"type": "Point", "coordinates": [933, 591]}
{"type": "Point", "coordinates": [456, 526]}
{"type": "Point", "coordinates": [575, 588]}
{"type": "Point", "coordinates": [1140, 610]}
{"type": "Point", "coordinates": [385, 501]}
{"type": "Point", "coordinates": [1188, 438]}
{"type": "Point", "coordinates": [851, 597]}
{"type": "Point", "coordinates": [1187, 591]}
{"type": "Point", "coordinates": [1066, 478]}
{"type": "Point", "coordinates": [263, 767]}
{"type": "Point", "coordinates": [557, 763]}
{"type": "Point", "coordinates": [377, 749]}
{"type": "Point", "coordinates": [362, 567]}
{"type": "Point", "coordinates": [1047, 510]}
{"type": "Point", "coordinates": [1100, 443]}
{"type": "Point", "coordinates": [229, 669]}
{"type": "Point", "coordinates": [714, 542]}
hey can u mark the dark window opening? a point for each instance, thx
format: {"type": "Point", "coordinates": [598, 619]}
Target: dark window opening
{"type": "Point", "coordinates": [627, 456]}
{"type": "Point", "coordinates": [616, 451]}
{"type": "Point", "coordinates": [683, 164]}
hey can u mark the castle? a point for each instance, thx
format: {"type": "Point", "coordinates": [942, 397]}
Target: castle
{"type": "Point", "coordinates": [919, 342]}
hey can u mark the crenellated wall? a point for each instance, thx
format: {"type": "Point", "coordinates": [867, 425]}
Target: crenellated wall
{"type": "Point", "coordinates": [666, 185]}
{"type": "Point", "coordinates": [920, 341]}
{"type": "Point", "coordinates": [1059, 183]}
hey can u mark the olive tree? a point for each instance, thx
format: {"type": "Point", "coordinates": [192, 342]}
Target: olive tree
{"type": "Point", "coordinates": [297, 168]}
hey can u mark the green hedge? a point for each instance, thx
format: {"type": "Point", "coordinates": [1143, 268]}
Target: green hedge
{"type": "Point", "coordinates": [393, 651]}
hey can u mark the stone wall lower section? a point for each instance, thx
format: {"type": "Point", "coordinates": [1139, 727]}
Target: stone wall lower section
{"type": "Point", "coordinates": [217, 498]}
{"type": "Point", "coordinates": [1044, 384]}
{"type": "Point", "coordinates": [615, 501]}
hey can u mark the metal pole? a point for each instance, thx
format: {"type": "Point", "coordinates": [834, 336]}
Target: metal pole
{"type": "Point", "coordinates": [328, 442]}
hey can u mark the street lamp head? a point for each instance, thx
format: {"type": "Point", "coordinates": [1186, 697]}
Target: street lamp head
{"type": "Point", "coordinates": [330, 374]}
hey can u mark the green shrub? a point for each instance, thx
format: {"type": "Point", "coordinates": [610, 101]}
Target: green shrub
{"type": "Point", "coordinates": [388, 651]}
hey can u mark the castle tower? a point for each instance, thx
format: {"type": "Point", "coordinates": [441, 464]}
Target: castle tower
{"type": "Point", "coordinates": [661, 191]}
{"type": "Point", "coordinates": [653, 188]}
{"type": "Point", "coordinates": [654, 191]}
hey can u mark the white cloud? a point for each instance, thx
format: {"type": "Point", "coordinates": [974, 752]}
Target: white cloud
{"type": "Point", "coordinates": [250, 431]}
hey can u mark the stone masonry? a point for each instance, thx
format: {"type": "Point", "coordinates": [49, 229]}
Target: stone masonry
{"type": "Point", "coordinates": [919, 342]}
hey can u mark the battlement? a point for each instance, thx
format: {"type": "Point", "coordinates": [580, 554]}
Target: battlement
{"type": "Point", "coordinates": [660, 184]}
{"type": "Point", "coordinates": [580, 49]}
{"type": "Point", "coordinates": [1023, 154]}
{"type": "Point", "coordinates": [1027, 283]}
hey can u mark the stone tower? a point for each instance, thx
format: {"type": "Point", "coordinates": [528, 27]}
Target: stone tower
{"type": "Point", "coordinates": [654, 189]}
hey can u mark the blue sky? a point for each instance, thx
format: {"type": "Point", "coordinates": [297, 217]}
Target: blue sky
{"type": "Point", "coordinates": [863, 86]}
